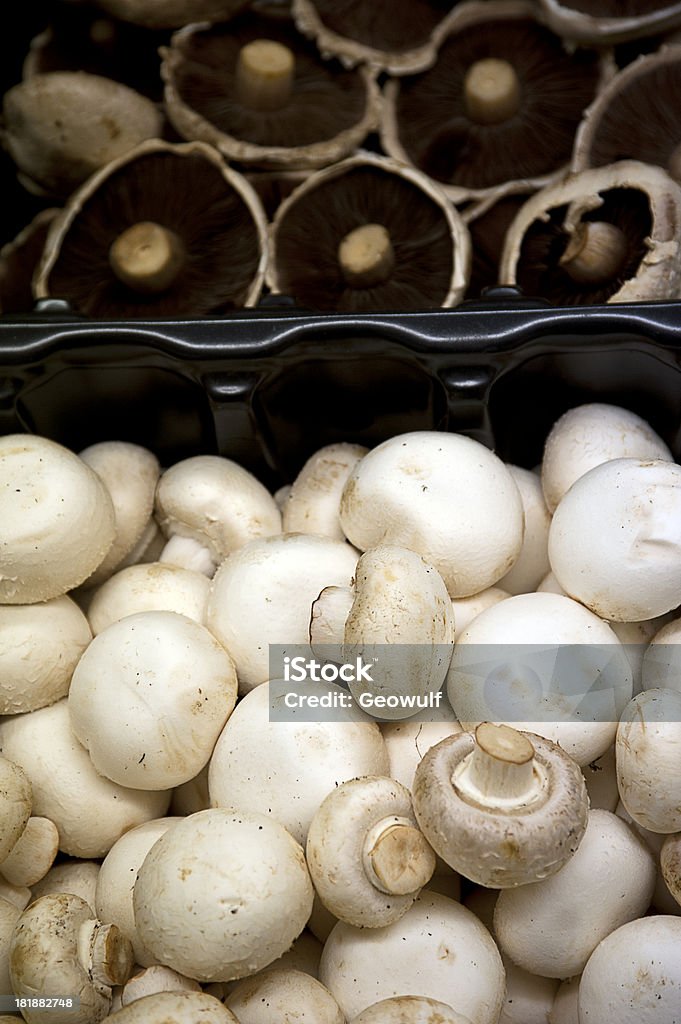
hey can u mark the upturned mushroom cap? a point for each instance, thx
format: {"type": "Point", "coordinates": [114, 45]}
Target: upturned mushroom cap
{"type": "Point", "coordinates": [648, 767]}
{"type": "Point", "coordinates": [58, 948]}
{"type": "Point", "coordinates": [58, 519]}
{"type": "Point", "coordinates": [634, 975]}
{"type": "Point", "coordinates": [170, 13]}
{"type": "Point", "coordinates": [533, 561]}
{"type": "Point", "coordinates": [609, 881]}
{"type": "Point", "coordinates": [409, 1010]}
{"type": "Point", "coordinates": [609, 21]}
{"type": "Point", "coordinates": [615, 540]}
{"type": "Point", "coordinates": [504, 808]}
{"type": "Point", "coordinates": [62, 126]}
{"type": "Point", "coordinates": [153, 586]}
{"type": "Point", "coordinates": [174, 1008]}
{"type": "Point", "coordinates": [367, 858]}
{"type": "Point", "coordinates": [214, 919]}
{"type": "Point", "coordinates": [670, 863]}
{"type": "Point", "coordinates": [16, 798]}
{"type": "Point", "coordinates": [32, 855]}
{"type": "Point", "coordinates": [40, 645]}
{"type": "Point", "coordinates": [445, 496]}
{"type": "Point", "coordinates": [588, 435]}
{"type": "Point", "coordinates": [313, 501]}
{"type": "Point", "coordinates": [149, 698]}
{"type": "Point", "coordinates": [278, 995]}
{"type": "Point", "coordinates": [438, 948]}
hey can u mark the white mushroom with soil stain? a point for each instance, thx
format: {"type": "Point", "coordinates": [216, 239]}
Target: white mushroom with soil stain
{"type": "Point", "coordinates": [154, 586]}
{"type": "Point", "coordinates": [410, 1010]}
{"type": "Point", "coordinates": [648, 764]}
{"type": "Point", "coordinates": [207, 507]}
{"type": "Point", "coordinates": [59, 949]}
{"type": "Point", "coordinates": [283, 995]}
{"type": "Point", "coordinates": [366, 855]}
{"type": "Point", "coordinates": [444, 496]}
{"type": "Point", "coordinates": [217, 919]}
{"type": "Point", "coordinates": [149, 698]}
{"type": "Point", "coordinates": [312, 504]}
{"type": "Point", "coordinates": [552, 927]}
{"type": "Point", "coordinates": [58, 519]}
{"type": "Point", "coordinates": [502, 807]}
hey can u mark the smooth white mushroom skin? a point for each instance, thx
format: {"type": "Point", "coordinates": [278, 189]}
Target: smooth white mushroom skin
{"type": "Point", "coordinates": [648, 762]}
{"type": "Point", "coordinates": [151, 587]}
{"type": "Point", "coordinates": [9, 915]}
{"type": "Point", "coordinates": [444, 496]}
{"type": "Point", "coordinates": [615, 539]}
{"type": "Point", "coordinates": [565, 1008]}
{"type": "Point", "coordinates": [410, 1010]}
{"type": "Point", "coordinates": [16, 801]}
{"type": "Point", "coordinates": [217, 919]}
{"type": "Point", "coordinates": [587, 436]}
{"type": "Point", "coordinates": [408, 742]}
{"type": "Point", "coordinates": [58, 519]}
{"type": "Point", "coordinates": [634, 975]}
{"type": "Point", "coordinates": [33, 853]}
{"type": "Point", "coordinates": [277, 995]}
{"type": "Point", "coordinates": [313, 502]}
{"type": "Point", "coordinates": [156, 979]}
{"type": "Point", "coordinates": [661, 665]}
{"type": "Point", "coordinates": [532, 563]}
{"type": "Point", "coordinates": [529, 997]}
{"type": "Point", "coordinates": [467, 608]}
{"type": "Point", "coordinates": [76, 876]}
{"type": "Point", "coordinates": [174, 1008]}
{"type": "Point", "coordinates": [149, 698]}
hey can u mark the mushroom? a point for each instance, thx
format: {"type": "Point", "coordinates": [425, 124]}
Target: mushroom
{"type": "Point", "coordinates": [648, 769]}
{"type": "Point", "coordinates": [603, 235]}
{"type": "Point", "coordinates": [564, 1009]}
{"type": "Point", "coordinates": [40, 645]}
{"type": "Point", "coordinates": [170, 13]}
{"type": "Point", "coordinates": [18, 895]}
{"type": "Point", "coordinates": [588, 435]}
{"type": "Point", "coordinates": [532, 563]}
{"type": "Point", "coordinates": [164, 230]}
{"type": "Point", "coordinates": [90, 812]}
{"type": "Point", "coordinates": [369, 233]}
{"type": "Point", "coordinates": [409, 1010]}
{"type": "Point", "coordinates": [16, 798]}
{"type": "Point", "coordinates": [611, 876]}
{"type": "Point", "coordinates": [175, 687]}
{"type": "Point", "coordinates": [313, 502]}
{"type": "Point", "coordinates": [408, 742]}
{"type": "Point", "coordinates": [662, 901]}
{"type": "Point", "coordinates": [9, 915]}
{"type": "Point", "coordinates": [58, 519]}
{"type": "Point", "coordinates": [529, 997]}
{"type": "Point", "coordinates": [609, 21]}
{"type": "Point", "coordinates": [32, 855]}
{"type": "Point", "coordinates": [670, 862]}
{"type": "Point", "coordinates": [601, 781]}
{"type": "Point", "coordinates": [155, 587]}
{"type": "Point", "coordinates": [504, 808]}
{"type": "Point", "coordinates": [298, 764]}
{"type": "Point", "coordinates": [156, 979]}
{"type": "Point", "coordinates": [661, 658]}
{"type": "Point", "coordinates": [59, 950]}
{"type": "Point", "coordinates": [18, 260]}
{"type": "Point", "coordinates": [217, 919]}
{"type": "Point", "coordinates": [634, 974]}
{"type": "Point", "coordinates": [366, 856]}
{"type": "Point", "coordinates": [174, 1008]}
{"type": "Point", "coordinates": [629, 569]}
{"type": "Point", "coordinates": [60, 127]}
{"type": "Point", "coordinates": [436, 950]}
{"type": "Point", "coordinates": [278, 995]}
{"type": "Point", "coordinates": [466, 609]}
{"type": "Point", "coordinates": [70, 875]}
{"type": "Point", "coordinates": [499, 106]}
{"type": "Point", "coordinates": [544, 663]}
{"type": "Point", "coordinates": [208, 506]}
{"type": "Point", "coordinates": [488, 221]}
{"type": "Point", "coordinates": [444, 496]}
{"type": "Point", "coordinates": [262, 94]}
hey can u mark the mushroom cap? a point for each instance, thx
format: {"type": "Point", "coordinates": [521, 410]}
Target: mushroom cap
{"type": "Point", "coordinates": [152, 586]}
{"type": "Point", "coordinates": [533, 561]}
{"type": "Point", "coordinates": [438, 948]}
{"type": "Point", "coordinates": [608, 881]}
{"type": "Point", "coordinates": [648, 766]}
{"type": "Point", "coordinates": [174, 1008]}
{"type": "Point", "coordinates": [16, 798]}
{"type": "Point", "coordinates": [429, 270]}
{"type": "Point", "coordinates": [149, 698]}
{"type": "Point", "coordinates": [277, 994]}
{"type": "Point", "coordinates": [409, 1010]}
{"type": "Point", "coordinates": [185, 889]}
{"type": "Point", "coordinates": [445, 496]}
{"type": "Point", "coordinates": [670, 865]}
{"type": "Point", "coordinates": [58, 519]}
{"type": "Point", "coordinates": [313, 502]}
{"type": "Point", "coordinates": [609, 21]}
{"type": "Point", "coordinates": [615, 539]}
{"type": "Point", "coordinates": [33, 854]}
{"type": "Point", "coordinates": [493, 846]}
{"type": "Point", "coordinates": [466, 609]}
{"type": "Point", "coordinates": [9, 915]}
{"type": "Point", "coordinates": [588, 435]}
{"type": "Point", "coordinates": [634, 975]}
{"type": "Point", "coordinates": [216, 502]}
{"type": "Point", "coordinates": [298, 764]}
{"type": "Point", "coordinates": [262, 595]}
{"type": "Point", "coordinates": [542, 656]}
{"type": "Point", "coordinates": [186, 188]}
{"type": "Point", "coordinates": [90, 812]}
{"type": "Point", "coordinates": [529, 998]}
{"type": "Point", "coordinates": [75, 876]}
{"type": "Point", "coordinates": [642, 200]}
{"type": "Point", "coordinates": [40, 645]}
{"type": "Point", "coordinates": [662, 657]}
{"type": "Point", "coordinates": [170, 13]}
{"type": "Point", "coordinates": [62, 126]}
{"type": "Point", "coordinates": [153, 979]}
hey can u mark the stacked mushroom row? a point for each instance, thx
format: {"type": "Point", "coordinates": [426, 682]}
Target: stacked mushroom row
{"type": "Point", "coordinates": [512, 854]}
{"type": "Point", "coordinates": [471, 114]}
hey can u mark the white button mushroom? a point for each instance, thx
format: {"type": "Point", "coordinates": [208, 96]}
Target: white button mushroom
{"type": "Point", "coordinates": [277, 995]}
{"type": "Point", "coordinates": [156, 978]}
{"type": "Point", "coordinates": [528, 996]}
{"type": "Point", "coordinates": [467, 608]}
{"type": "Point", "coordinates": [214, 917]}
{"type": "Point", "coordinates": [565, 1008]}
{"type": "Point", "coordinates": [648, 762]}
{"type": "Point", "coordinates": [552, 927]}
{"type": "Point", "coordinates": [33, 853]}
{"type": "Point", "coordinates": [589, 435]}
{"type": "Point", "coordinates": [174, 1008]}
{"type": "Point", "coordinates": [615, 539]}
{"type": "Point", "coordinates": [410, 1010]}
{"type": "Point", "coordinates": [365, 853]}
{"type": "Point", "coordinates": [76, 876]}
{"type": "Point", "coordinates": [408, 742]}
{"type": "Point", "coordinates": [313, 502]}
{"type": "Point", "coordinates": [533, 561]}
{"type": "Point", "coordinates": [503, 808]}
{"type": "Point", "coordinates": [152, 587]}
{"type": "Point", "coordinates": [663, 901]}
{"type": "Point", "coordinates": [445, 496]}
{"type": "Point", "coordinates": [58, 519]}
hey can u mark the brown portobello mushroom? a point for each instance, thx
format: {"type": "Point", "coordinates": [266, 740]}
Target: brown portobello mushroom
{"type": "Point", "coordinates": [170, 13]}
{"type": "Point", "coordinates": [18, 260]}
{"type": "Point", "coordinates": [609, 21]}
{"type": "Point", "coordinates": [500, 105]}
{"type": "Point", "coordinates": [636, 117]}
{"type": "Point", "coordinates": [401, 38]}
{"type": "Point", "coordinates": [167, 230]}
{"type": "Point", "coordinates": [369, 234]}
{"type": "Point", "coordinates": [261, 94]}
{"type": "Point", "coordinates": [605, 235]}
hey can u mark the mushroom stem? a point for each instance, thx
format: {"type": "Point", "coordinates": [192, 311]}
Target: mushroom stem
{"type": "Point", "coordinates": [105, 953]}
{"type": "Point", "coordinates": [264, 75]}
{"type": "Point", "coordinates": [491, 91]}
{"type": "Point", "coordinates": [397, 857]}
{"type": "Point", "coordinates": [187, 553]}
{"type": "Point", "coordinates": [674, 164]}
{"type": "Point", "coordinates": [595, 252]}
{"type": "Point", "coordinates": [366, 256]}
{"type": "Point", "coordinates": [147, 257]}
{"type": "Point", "coordinates": [501, 771]}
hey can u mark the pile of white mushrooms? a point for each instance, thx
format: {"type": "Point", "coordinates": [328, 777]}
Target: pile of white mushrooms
{"type": "Point", "coordinates": [171, 852]}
